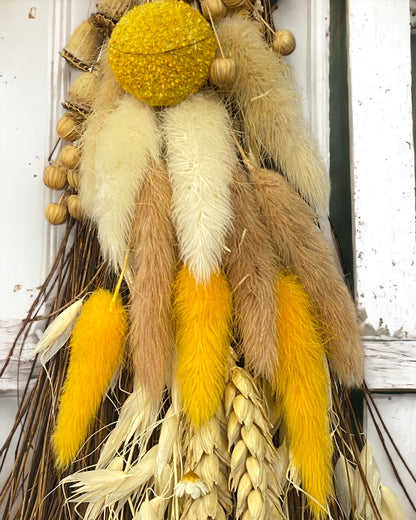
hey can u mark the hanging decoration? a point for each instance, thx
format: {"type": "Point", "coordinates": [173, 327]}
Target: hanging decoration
{"type": "Point", "coordinates": [205, 336]}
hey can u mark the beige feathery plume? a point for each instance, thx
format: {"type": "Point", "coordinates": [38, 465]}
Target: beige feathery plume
{"type": "Point", "coordinates": [200, 157]}
{"type": "Point", "coordinates": [271, 110]}
{"type": "Point", "coordinates": [252, 272]}
{"type": "Point", "coordinates": [304, 252]}
{"type": "Point", "coordinates": [129, 141]}
{"type": "Point", "coordinates": [109, 91]}
{"type": "Point", "coordinates": [153, 260]}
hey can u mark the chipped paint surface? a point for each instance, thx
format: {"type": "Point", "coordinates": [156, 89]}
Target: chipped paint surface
{"type": "Point", "coordinates": [383, 166]}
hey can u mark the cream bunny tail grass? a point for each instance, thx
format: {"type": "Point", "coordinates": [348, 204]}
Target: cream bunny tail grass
{"type": "Point", "coordinates": [304, 252]}
{"type": "Point", "coordinates": [153, 259]}
{"type": "Point", "coordinates": [200, 156]}
{"type": "Point", "coordinates": [128, 143]}
{"type": "Point", "coordinates": [271, 110]}
{"type": "Point", "coordinates": [303, 391]}
{"type": "Point", "coordinates": [109, 91]}
{"type": "Point", "coordinates": [203, 314]}
{"type": "Point", "coordinates": [252, 271]}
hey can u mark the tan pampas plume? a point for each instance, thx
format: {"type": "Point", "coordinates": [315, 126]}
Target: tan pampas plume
{"type": "Point", "coordinates": [128, 143]}
{"type": "Point", "coordinates": [271, 110]}
{"type": "Point", "coordinates": [108, 92]}
{"type": "Point", "coordinates": [153, 259]}
{"type": "Point", "coordinates": [303, 251]}
{"type": "Point", "coordinates": [200, 156]}
{"type": "Point", "coordinates": [252, 272]}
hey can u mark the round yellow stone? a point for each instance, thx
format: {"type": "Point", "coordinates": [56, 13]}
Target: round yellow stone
{"type": "Point", "coordinates": [161, 52]}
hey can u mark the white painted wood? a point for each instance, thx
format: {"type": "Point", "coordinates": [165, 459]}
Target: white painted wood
{"type": "Point", "coordinates": [383, 165]}
{"type": "Point", "coordinates": [390, 365]}
{"type": "Point", "coordinates": [33, 83]}
{"type": "Point", "coordinates": [309, 22]}
{"type": "Point", "coordinates": [399, 415]}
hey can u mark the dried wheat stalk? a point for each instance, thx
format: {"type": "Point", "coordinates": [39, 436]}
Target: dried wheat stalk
{"type": "Point", "coordinates": [254, 464]}
{"type": "Point", "coordinates": [208, 458]}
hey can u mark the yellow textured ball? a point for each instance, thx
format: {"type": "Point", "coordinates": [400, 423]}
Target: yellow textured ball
{"type": "Point", "coordinates": [161, 52]}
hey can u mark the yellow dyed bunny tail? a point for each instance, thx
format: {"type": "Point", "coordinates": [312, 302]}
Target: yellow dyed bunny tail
{"type": "Point", "coordinates": [96, 350]}
{"type": "Point", "coordinates": [203, 316]}
{"type": "Point", "coordinates": [302, 392]}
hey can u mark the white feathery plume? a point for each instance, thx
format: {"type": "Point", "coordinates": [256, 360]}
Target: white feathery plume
{"type": "Point", "coordinates": [127, 143]}
{"type": "Point", "coordinates": [200, 157]}
{"type": "Point", "coordinates": [109, 91]}
{"type": "Point", "coordinates": [58, 332]}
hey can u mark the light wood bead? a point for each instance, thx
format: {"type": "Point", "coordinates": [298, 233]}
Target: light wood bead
{"type": "Point", "coordinates": [222, 72]}
{"type": "Point", "coordinates": [69, 156]}
{"type": "Point", "coordinates": [68, 128]}
{"type": "Point", "coordinates": [284, 42]}
{"type": "Point", "coordinates": [55, 177]}
{"type": "Point", "coordinates": [74, 207]}
{"type": "Point", "coordinates": [73, 178]}
{"type": "Point", "coordinates": [56, 213]}
{"type": "Point", "coordinates": [214, 9]}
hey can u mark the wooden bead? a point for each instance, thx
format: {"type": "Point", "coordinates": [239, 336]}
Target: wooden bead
{"type": "Point", "coordinates": [55, 177]}
{"type": "Point", "coordinates": [284, 42]}
{"type": "Point", "coordinates": [74, 207]}
{"type": "Point", "coordinates": [56, 213]}
{"type": "Point", "coordinates": [214, 9]}
{"type": "Point", "coordinates": [73, 178]}
{"type": "Point", "coordinates": [222, 72]}
{"type": "Point", "coordinates": [68, 128]}
{"type": "Point", "coordinates": [69, 156]}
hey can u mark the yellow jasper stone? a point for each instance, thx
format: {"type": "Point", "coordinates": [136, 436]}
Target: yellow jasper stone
{"type": "Point", "coordinates": [161, 52]}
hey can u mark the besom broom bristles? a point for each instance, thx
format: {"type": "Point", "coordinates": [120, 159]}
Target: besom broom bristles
{"type": "Point", "coordinates": [96, 350]}
{"type": "Point", "coordinates": [303, 251]}
{"type": "Point", "coordinates": [271, 110]}
{"type": "Point", "coordinates": [153, 259]}
{"type": "Point", "coordinates": [200, 158]}
{"type": "Point", "coordinates": [302, 390]}
{"type": "Point", "coordinates": [251, 268]}
{"type": "Point", "coordinates": [203, 315]}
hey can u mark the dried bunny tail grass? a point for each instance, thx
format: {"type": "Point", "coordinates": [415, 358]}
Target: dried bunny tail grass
{"type": "Point", "coordinates": [108, 93]}
{"type": "Point", "coordinates": [253, 455]}
{"type": "Point", "coordinates": [250, 266]}
{"type": "Point", "coordinates": [58, 332]}
{"type": "Point", "coordinates": [304, 252]}
{"type": "Point", "coordinates": [128, 143]}
{"type": "Point", "coordinates": [207, 458]}
{"type": "Point", "coordinates": [200, 156]}
{"type": "Point", "coordinates": [96, 350]}
{"type": "Point", "coordinates": [203, 315]}
{"type": "Point", "coordinates": [367, 482]}
{"type": "Point", "coordinates": [271, 110]}
{"type": "Point", "coordinates": [153, 260]}
{"type": "Point", "coordinates": [302, 389]}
